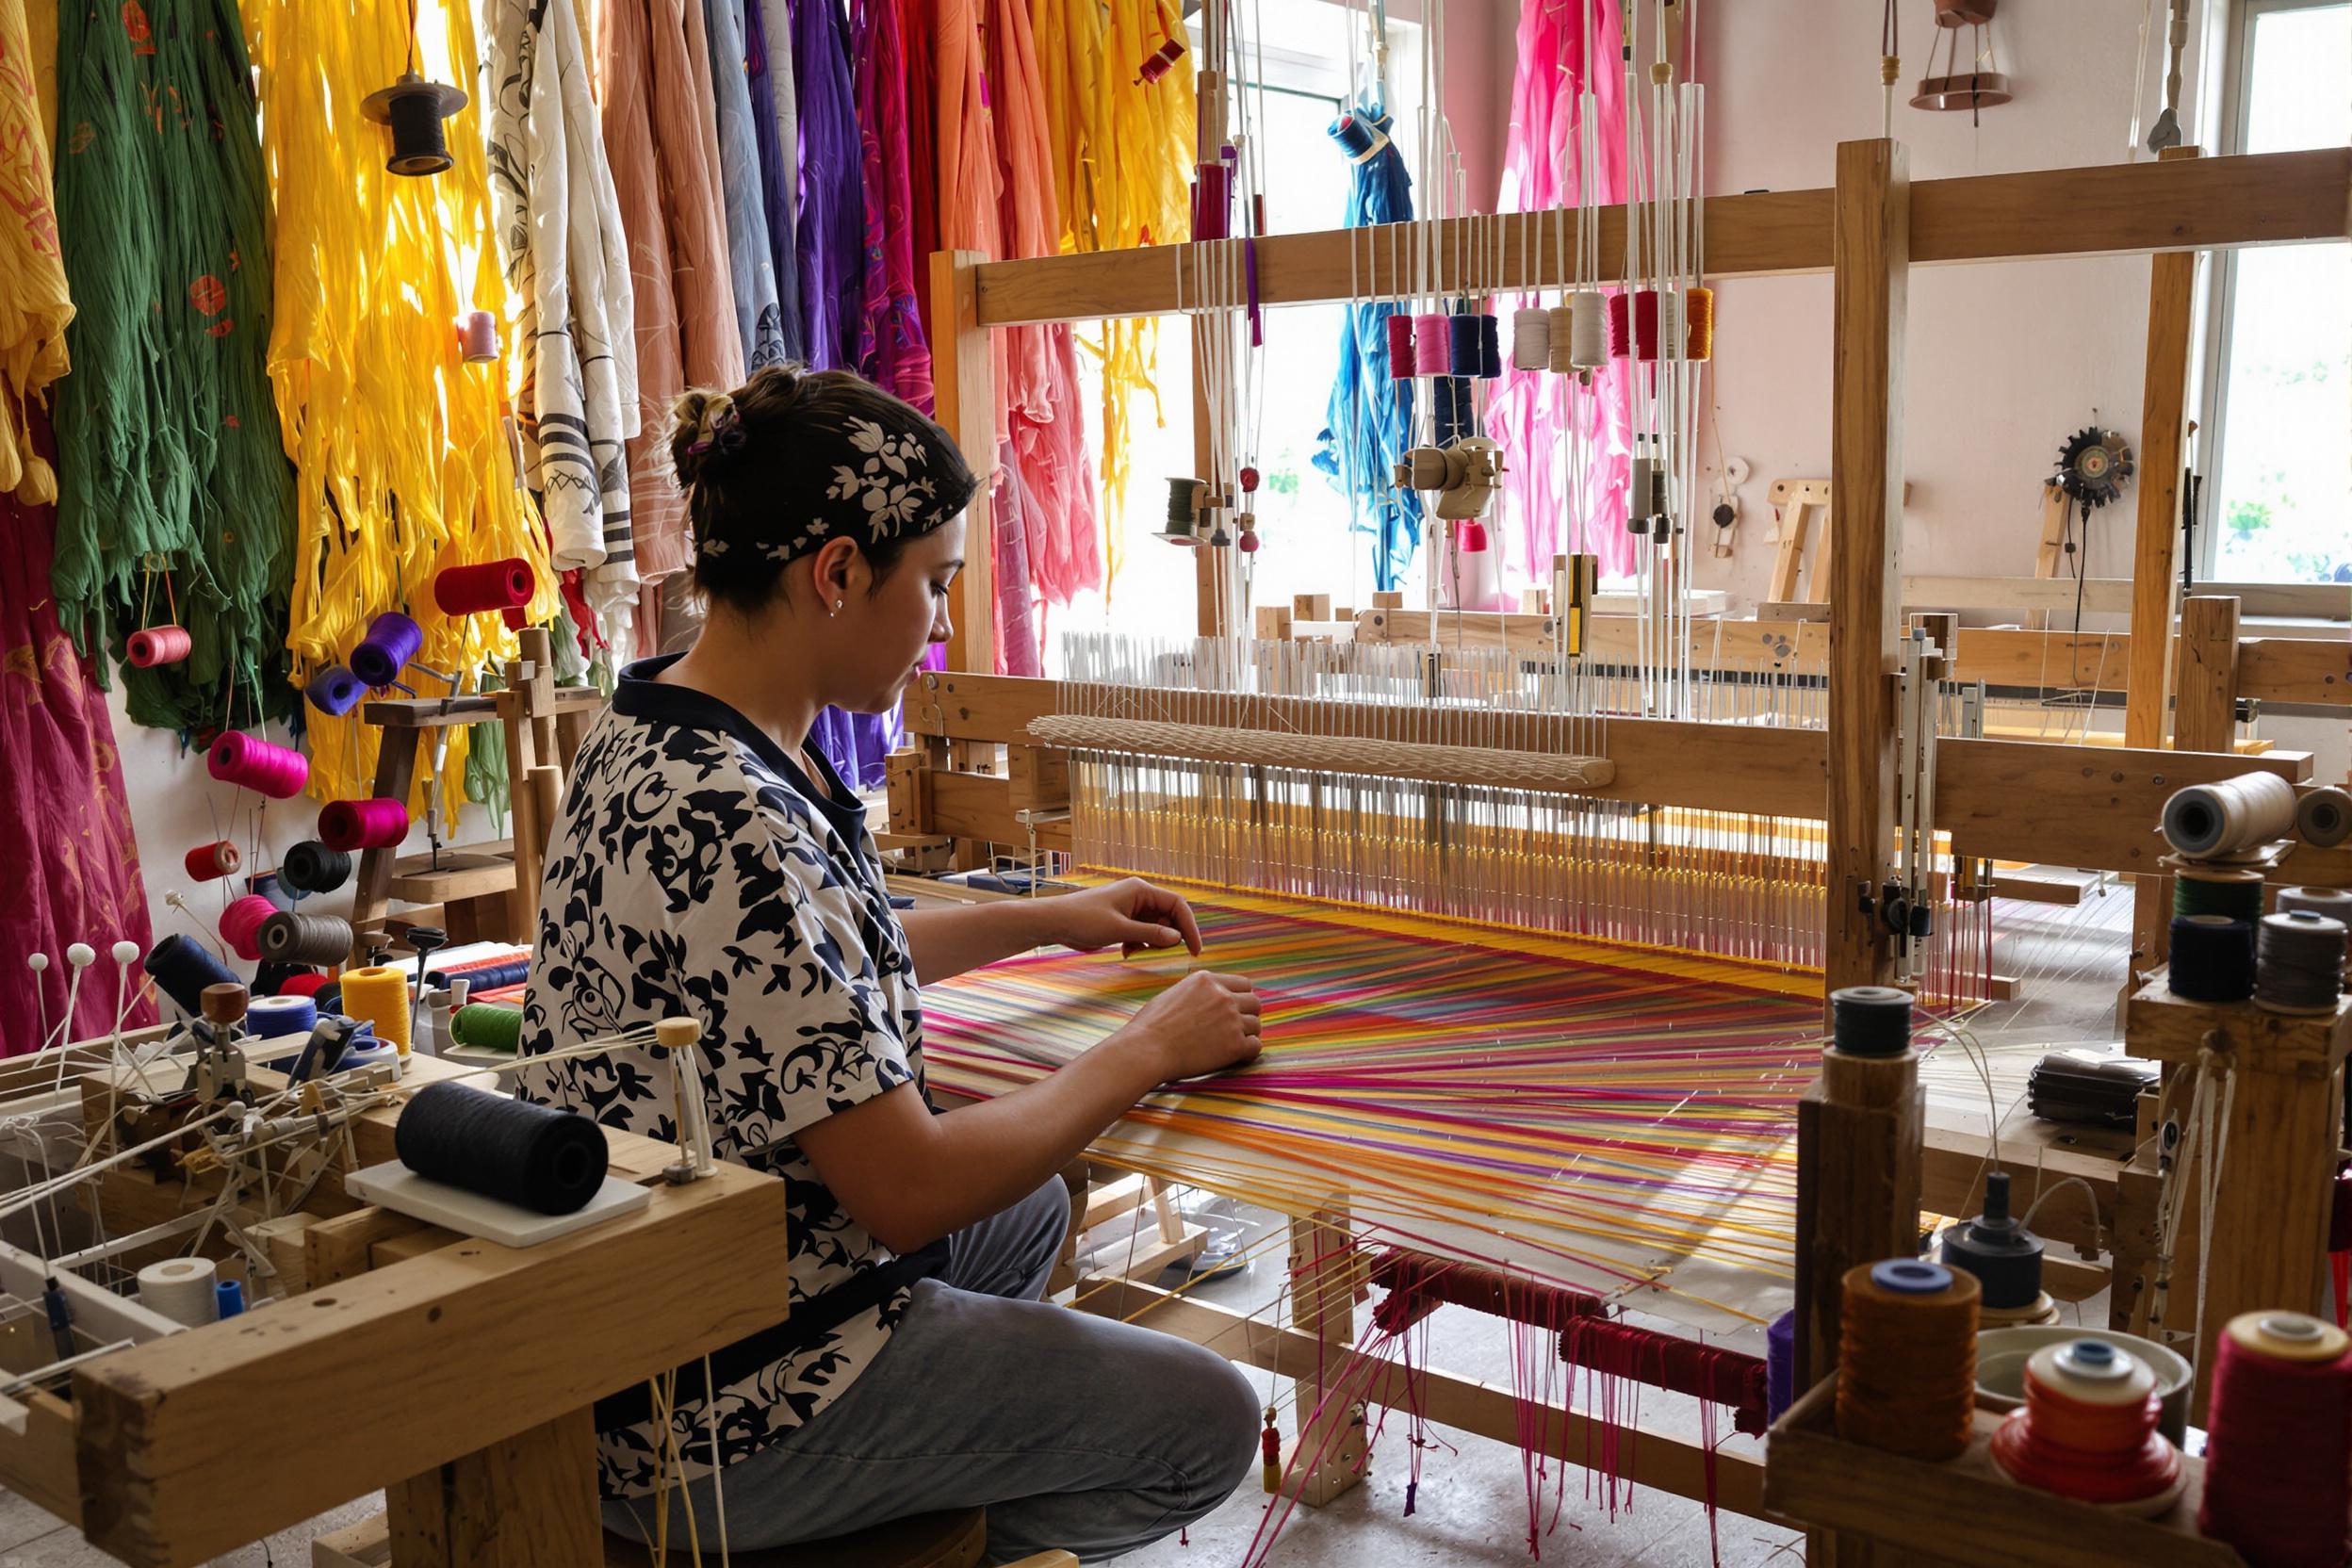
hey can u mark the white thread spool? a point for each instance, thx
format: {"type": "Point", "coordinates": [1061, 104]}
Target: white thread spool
{"type": "Point", "coordinates": [1530, 339]}
{"type": "Point", "coordinates": [1587, 336]}
{"type": "Point", "coordinates": [1674, 341]}
{"type": "Point", "coordinates": [2229, 817]}
{"type": "Point", "coordinates": [2325, 817]}
{"type": "Point", "coordinates": [1561, 329]}
{"type": "Point", "coordinates": [185, 1290]}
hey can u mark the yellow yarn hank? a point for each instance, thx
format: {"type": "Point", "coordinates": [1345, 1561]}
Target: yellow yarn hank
{"type": "Point", "coordinates": [34, 303]}
{"type": "Point", "coordinates": [403, 453]}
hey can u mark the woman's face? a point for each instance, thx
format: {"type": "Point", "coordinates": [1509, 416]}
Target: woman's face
{"type": "Point", "coordinates": [882, 629]}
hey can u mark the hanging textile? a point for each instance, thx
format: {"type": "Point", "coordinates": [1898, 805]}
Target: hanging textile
{"type": "Point", "coordinates": [892, 350]}
{"type": "Point", "coordinates": [831, 236]}
{"type": "Point", "coordinates": [1123, 152]}
{"type": "Point", "coordinates": [675, 215]}
{"type": "Point", "coordinates": [174, 503]}
{"type": "Point", "coordinates": [573, 326]}
{"type": "Point", "coordinates": [34, 307]}
{"type": "Point", "coordinates": [1370, 418]}
{"type": "Point", "coordinates": [1042, 417]}
{"type": "Point", "coordinates": [751, 271]}
{"type": "Point", "coordinates": [775, 118]}
{"type": "Point", "coordinates": [918, 31]}
{"type": "Point", "coordinates": [1533, 408]}
{"type": "Point", "coordinates": [65, 821]}
{"type": "Point", "coordinates": [403, 452]}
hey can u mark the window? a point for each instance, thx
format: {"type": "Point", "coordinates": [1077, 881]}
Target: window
{"type": "Point", "coordinates": [2277, 449]}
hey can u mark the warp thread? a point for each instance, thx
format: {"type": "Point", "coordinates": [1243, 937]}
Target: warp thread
{"type": "Point", "coordinates": [535, 1156]}
{"type": "Point", "coordinates": [1728, 1378]}
{"type": "Point", "coordinates": [1418, 1285]}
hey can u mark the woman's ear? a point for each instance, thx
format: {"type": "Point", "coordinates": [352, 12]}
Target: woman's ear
{"type": "Point", "coordinates": [839, 573]}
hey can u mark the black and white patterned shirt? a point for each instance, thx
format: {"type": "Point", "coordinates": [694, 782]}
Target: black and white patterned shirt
{"type": "Point", "coordinates": [698, 870]}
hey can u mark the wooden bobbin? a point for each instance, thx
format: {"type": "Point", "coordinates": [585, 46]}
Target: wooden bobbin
{"type": "Point", "coordinates": [224, 1003]}
{"type": "Point", "coordinates": [677, 1034]}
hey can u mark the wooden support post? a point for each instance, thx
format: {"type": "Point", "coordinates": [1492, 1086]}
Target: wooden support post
{"type": "Point", "coordinates": [1871, 247]}
{"type": "Point", "coordinates": [963, 382]}
{"type": "Point", "coordinates": [2204, 718]}
{"type": "Point", "coordinates": [1858, 1137]}
{"type": "Point", "coordinates": [371, 886]}
{"type": "Point", "coordinates": [2155, 581]}
{"type": "Point", "coordinates": [527, 1500]}
{"type": "Point", "coordinates": [1328, 1456]}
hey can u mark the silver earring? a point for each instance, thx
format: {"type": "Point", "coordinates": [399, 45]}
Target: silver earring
{"type": "Point", "coordinates": [836, 608]}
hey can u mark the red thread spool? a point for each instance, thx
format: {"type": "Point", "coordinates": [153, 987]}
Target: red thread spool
{"type": "Point", "coordinates": [241, 924]}
{"type": "Point", "coordinates": [1161, 61]}
{"type": "Point", "coordinates": [159, 644]}
{"type": "Point", "coordinates": [2089, 1429]}
{"type": "Point", "coordinates": [491, 585]}
{"type": "Point", "coordinates": [210, 862]}
{"type": "Point", "coordinates": [253, 763]}
{"type": "Point", "coordinates": [1641, 340]}
{"type": "Point", "coordinates": [1400, 351]}
{"type": "Point", "coordinates": [2278, 1463]}
{"type": "Point", "coordinates": [306, 983]}
{"type": "Point", "coordinates": [362, 823]}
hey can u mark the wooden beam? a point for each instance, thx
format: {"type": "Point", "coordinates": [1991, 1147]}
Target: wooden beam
{"type": "Point", "coordinates": [2114, 210]}
{"type": "Point", "coordinates": [516, 1503]}
{"type": "Point", "coordinates": [2103, 595]}
{"type": "Point", "coordinates": [1871, 242]}
{"type": "Point", "coordinates": [2297, 669]}
{"type": "Point", "coordinates": [963, 382]}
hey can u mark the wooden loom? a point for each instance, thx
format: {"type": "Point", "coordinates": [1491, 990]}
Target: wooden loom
{"type": "Point", "coordinates": [977, 770]}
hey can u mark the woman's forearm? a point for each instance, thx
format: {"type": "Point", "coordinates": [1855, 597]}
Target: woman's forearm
{"type": "Point", "coordinates": [949, 942]}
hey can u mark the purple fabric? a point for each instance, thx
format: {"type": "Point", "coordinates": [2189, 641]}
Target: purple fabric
{"type": "Point", "coordinates": [774, 171]}
{"type": "Point", "coordinates": [830, 243]}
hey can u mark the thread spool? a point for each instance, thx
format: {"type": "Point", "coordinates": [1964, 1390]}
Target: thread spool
{"type": "Point", "coordinates": [2089, 1429]}
{"type": "Point", "coordinates": [488, 1027]}
{"type": "Point", "coordinates": [1588, 330]}
{"type": "Point", "coordinates": [377, 996]}
{"type": "Point", "coordinates": [1562, 329]}
{"type": "Point", "coordinates": [2233, 895]}
{"type": "Point", "coordinates": [1432, 344]}
{"type": "Point", "coordinates": [540, 1158]}
{"type": "Point", "coordinates": [2229, 817]}
{"type": "Point", "coordinates": [1619, 326]}
{"type": "Point", "coordinates": [2213, 959]}
{"type": "Point", "coordinates": [1161, 61]}
{"type": "Point", "coordinates": [478, 339]}
{"type": "Point", "coordinates": [490, 585]}
{"type": "Point", "coordinates": [270, 1016]}
{"type": "Point", "coordinates": [1780, 1365]}
{"type": "Point", "coordinates": [1453, 414]}
{"type": "Point", "coordinates": [253, 763]}
{"type": "Point", "coordinates": [1212, 202]}
{"type": "Point", "coordinates": [158, 645]}
{"type": "Point", "coordinates": [1870, 1021]}
{"type": "Point", "coordinates": [2298, 962]}
{"type": "Point", "coordinates": [308, 982]}
{"type": "Point", "coordinates": [369, 824]}
{"type": "Point", "coordinates": [1633, 324]}
{"type": "Point", "coordinates": [230, 1299]}
{"type": "Point", "coordinates": [241, 924]}
{"type": "Point", "coordinates": [415, 109]}
{"type": "Point", "coordinates": [1699, 324]}
{"type": "Point", "coordinates": [1358, 137]}
{"type": "Point", "coordinates": [1402, 359]}
{"type": "Point", "coordinates": [1490, 346]}
{"type": "Point", "coordinates": [1461, 344]}
{"type": "Point", "coordinates": [335, 691]}
{"type": "Point", "coordinates": [1530, 339]}
{"type": "Point", "coordinates": [182, 968]}
{"type": "Point", "coordinates": [2005, 1257]}
{"type": "Point", "coordinates": [210, 862]}
{"type": "Point", "coordinates": [311, 867]}
{"type": "Point", "coordinates": [1906, 1358]}
{"type": "Point", "coordinates": [2335, 903]}
{"type": "Point", "coordinates": [1644, 481]}
{"type": "Point", "coordinates": [2279, 1450]}
{"type": "Point", "coordinates": [391, 642]}
{"type": "Point", "coordinates": [2325, 817]}
{"type": "Point", "coordinates": [1667, 334]}
{"type": "Point", "coordinates": [291, 939]}
{"type": "Point", "coordinates": [181, 1289]}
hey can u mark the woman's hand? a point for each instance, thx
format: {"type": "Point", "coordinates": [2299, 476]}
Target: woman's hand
{"type": "Point", "coordinates": [1205, 1024]}
{"type": "Point", "coordinates": [1133, 914]}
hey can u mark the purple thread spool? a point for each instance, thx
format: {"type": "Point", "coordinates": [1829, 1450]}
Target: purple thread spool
{"type": "Point", "coordinates": [1432, 344]}
{"type": "Point", "coordinates": [1400, 352]}
{"type": "Point", "coordinates": [1461, 344]}
{"type": "Point", "coordinates": [391, 642]}
{"type": "Point", "coordinates": [1780, 1366]}
{"type": "Point", "coordinates": [334, 690]}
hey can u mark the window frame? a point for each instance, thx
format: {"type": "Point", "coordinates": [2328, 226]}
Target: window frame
{"type": "Point", "coordinates": [2237, 65]}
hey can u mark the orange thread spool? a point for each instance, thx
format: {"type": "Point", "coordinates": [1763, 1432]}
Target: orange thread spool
{"type": "Point", "coordinates": [2088, 1428]}
{"type": "Point", "coordinates": [1698, 306]}
{"type": "Point", "coordinates": [1906, 1358]}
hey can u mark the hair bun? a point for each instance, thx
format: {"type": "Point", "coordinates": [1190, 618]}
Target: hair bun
{"type": "Point", "coordinates": [704, 426]}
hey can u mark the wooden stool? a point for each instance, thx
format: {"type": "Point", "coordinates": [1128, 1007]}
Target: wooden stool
{"type": "Point", "coordinates": [954, 1540]}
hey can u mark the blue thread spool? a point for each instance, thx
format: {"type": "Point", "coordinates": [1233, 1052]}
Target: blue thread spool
{"type": "Point", "coordinates": [391, 642]}
{"type": "Point", "coordinates": [231, 1298]}
{"type": "Point", "coordinates": [182, 970]}
{"type": "Point", "coordinates": [1780, 1366]}
{"type": "Point", "coordinates": [1461, 344]}
{"type": "Point", "coordinates": [1490, 348]}
{"type": "Point", "coordinates": [1451, 407]}
{"type": "Point", "coordinates": [334, 690]}
{"type": "Point", "coordinates": [269, 1016]}
{"type": "Point", "coordinates": [1358, 136]}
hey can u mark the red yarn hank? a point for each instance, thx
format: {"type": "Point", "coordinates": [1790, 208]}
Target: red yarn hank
{"type": "Point", "coordinates": [253, 763]}
{"type": "Point", "coordinates": [1417, 1286]}
{"type": "Point", "coordinates": [240, 925]}
{"type": "Point", "coordinates": [371, 824]}
{"type": "Point", "coordinates": [2093, 1453]}
{"type": "Point", "coordinates": [2279, 1462]}
{"type": "Point", "coordinates": [210, 862]}
{"type": "Point", "coordinates": [1678, 1366]}
{"type": "Point", "coordinates": [158, 645]}
{"type": "Point", "coordinates": [491, 585]}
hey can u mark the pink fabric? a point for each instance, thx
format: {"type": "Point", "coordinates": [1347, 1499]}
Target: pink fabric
{"type": "Point", "coordinates": [891, 352]}
{"type": "Point", "coordinates": [65, 836]}
{"type": "Point", "coordinates": [1533, 407]}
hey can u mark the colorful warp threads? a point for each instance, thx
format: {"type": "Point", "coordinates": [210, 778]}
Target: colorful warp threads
{"type": "Point", "coordinates": [1527, 1108]}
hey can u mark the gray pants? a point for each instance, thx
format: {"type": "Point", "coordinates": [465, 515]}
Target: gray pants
{"type": "Point", "coordinates": [1075, 1431]}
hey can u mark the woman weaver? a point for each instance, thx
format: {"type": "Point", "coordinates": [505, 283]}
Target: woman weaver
{"type": "Point", "coordinates": [708, 862]}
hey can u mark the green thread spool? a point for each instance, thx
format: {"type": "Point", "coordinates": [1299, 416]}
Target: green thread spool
{"type": "Point", "coordinates": [2234, 900]}
{"type": "Point", "coordinates": [488, 1027]}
